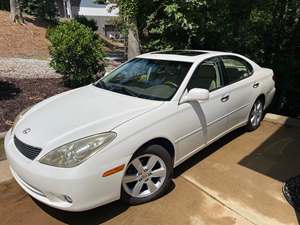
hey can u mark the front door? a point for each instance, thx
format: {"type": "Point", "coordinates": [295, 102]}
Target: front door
{"type": "Point", "coordinates": [204, 121]}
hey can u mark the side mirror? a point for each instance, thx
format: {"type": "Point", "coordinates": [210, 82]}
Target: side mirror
{"type": "Point", "coordinates": [196, 94]}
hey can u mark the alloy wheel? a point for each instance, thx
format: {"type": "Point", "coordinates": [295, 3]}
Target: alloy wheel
{"type": "Point", "coordinates": [256, 114]}
{"type": "Point", "coordinates": [144, 176]}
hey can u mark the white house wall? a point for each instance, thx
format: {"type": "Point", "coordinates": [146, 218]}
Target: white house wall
{"type": "Point", "coordinates": [89, 8]}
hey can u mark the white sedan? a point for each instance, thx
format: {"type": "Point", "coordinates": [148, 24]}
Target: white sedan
{"type": "Point", "coordinates": [122, 136]}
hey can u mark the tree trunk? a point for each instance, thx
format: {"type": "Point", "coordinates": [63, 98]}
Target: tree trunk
{"type": "Point", "coordinates": [16, 11]}
{"type": "Point", "coordinates": [133, 43]}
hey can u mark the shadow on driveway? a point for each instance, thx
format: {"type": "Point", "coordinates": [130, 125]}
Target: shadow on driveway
{"type": "Point", "coordinates": [197, 158]}
{"type": "Point", "coordinates": [90, 217]}
{"type": "Point", "coordinates": [278, 156]}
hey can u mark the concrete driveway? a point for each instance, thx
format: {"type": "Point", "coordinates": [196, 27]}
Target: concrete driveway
{"type": "Point", "coordinates": [237, 180]}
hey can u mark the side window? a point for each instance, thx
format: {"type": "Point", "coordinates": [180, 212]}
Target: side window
{"type": "Point", "coordinates": [207, 76]}
{"type": "Point", "coordinates": [235, 69]}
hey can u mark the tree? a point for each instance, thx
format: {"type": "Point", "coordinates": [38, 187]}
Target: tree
{"type": "Point", "coordinates": [44, 9]}
{"type": "Point", "coordinates": [91, 23]}
{"type": "Point", "coordinates": [129, 10]}
{"type": "Point", "coordinates": [266, 31]}
{"type": "Point", "coordinates": [4, 5]}
{"type": "Point", "coordinates": [16, 11]}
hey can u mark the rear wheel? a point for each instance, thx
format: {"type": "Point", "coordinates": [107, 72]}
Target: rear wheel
{"type": "Point", "coordinates": [148, 175]}
{"type": "Point", "coordinates": [256, 115]}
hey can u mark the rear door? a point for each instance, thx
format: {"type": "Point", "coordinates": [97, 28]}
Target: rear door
{"type": "Point", "coordinates": [238, 80]}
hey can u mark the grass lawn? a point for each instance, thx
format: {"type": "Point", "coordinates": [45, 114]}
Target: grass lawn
{"type": "Point", "coordinates": [2, 154]}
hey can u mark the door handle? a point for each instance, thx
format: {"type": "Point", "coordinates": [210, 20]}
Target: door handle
{"type": "Point", "coordinates": [256, 85]}
{"type": "Point", "coordinates": [225, 98]}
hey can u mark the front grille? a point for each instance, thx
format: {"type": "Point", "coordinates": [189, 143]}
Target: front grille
{"type": "Point", "coordinates": [28, 151]}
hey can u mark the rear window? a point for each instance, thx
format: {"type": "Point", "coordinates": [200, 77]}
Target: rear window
{"type": "Point", "coordinates": [236, 69]}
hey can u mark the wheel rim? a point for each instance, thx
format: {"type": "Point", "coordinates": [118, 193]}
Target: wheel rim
{"type": "Point", "coordinates": [144, 176]}
{"type": "Point", "coordinates": [256, 113]}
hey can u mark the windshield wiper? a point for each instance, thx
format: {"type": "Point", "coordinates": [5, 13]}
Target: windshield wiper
{"type": "Point", "coordinates": [100, 84]}
{"type": "Point", "coordinates": [124, 90]}
{"type": "Point", "coordinates": [121, 89]}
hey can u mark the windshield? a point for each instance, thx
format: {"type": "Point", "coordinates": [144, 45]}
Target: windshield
{"type": "Point", "coordinates": [146, 78]}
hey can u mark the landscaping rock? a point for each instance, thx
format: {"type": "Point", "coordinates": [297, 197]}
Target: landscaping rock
{"type": "Point", "coordinates": [26, 68]}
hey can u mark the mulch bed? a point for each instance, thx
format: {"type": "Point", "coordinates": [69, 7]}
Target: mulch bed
{"type": "Point", "coordinates": [18, 94]}
{"type": "Point", "coordinates": [26, 41]}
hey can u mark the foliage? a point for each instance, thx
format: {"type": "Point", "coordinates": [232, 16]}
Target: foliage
{"type": "Point", "coordinates": [87, 22]}
{"type": "Point", "coordinates": [76, 52]}
{"type": "Point", "coordinates": [266, 31]}
{"type": "Point", "coordinates": [129, 10]}
{"type": "Point", "coordinates": [4, 5]}
{"type": "Point", "coordinates": [119, 24]}
{"type": "Point", "coordinates": [44, 9]}
{"type": "Point", "coordinates": [174, 25]}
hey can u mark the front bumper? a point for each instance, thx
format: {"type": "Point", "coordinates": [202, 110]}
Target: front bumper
{"type": "Point", "coordinates": [71, 189]}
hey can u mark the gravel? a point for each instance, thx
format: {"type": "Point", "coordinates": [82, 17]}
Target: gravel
{"type": "Point", "coordinates": [26, 68]}
{"type": "Point", "coordinates": [35, 68]}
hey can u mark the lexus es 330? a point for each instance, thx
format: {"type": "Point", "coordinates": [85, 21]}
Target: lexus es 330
{"type": "Point", "coordinates": [121, 136]}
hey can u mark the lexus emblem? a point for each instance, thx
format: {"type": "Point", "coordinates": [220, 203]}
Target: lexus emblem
{"type": "Point", "coordinates": [26, 131]}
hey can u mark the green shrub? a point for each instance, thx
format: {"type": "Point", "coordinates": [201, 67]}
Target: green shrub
{"type": "Point", "coordinates": [76, 53]}
{"type": "Point", "coordinates": [87, 22]}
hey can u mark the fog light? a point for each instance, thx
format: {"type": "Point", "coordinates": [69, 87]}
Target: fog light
{"type": "Point", "coordinates": [68, 198]}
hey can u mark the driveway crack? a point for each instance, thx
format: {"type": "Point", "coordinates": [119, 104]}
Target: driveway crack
{"type": "Point", "coordinates": [216, 199]}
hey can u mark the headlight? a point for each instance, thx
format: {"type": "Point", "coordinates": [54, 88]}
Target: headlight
{"type": "Point", "coordinates": [74, 153]}
{"type": "Point", "coordinates": [19, 116]}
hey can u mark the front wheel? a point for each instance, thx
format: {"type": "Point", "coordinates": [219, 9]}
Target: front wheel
{"type": "Point", "coordinates": [148, 175]}
{"type": "Point", "coordinates": [256, 115]}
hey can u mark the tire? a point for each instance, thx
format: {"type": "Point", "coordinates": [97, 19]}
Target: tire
{"type": "Point", "coordinates": [150, 166]}
{"type": "Point", "coordinates": [256, 115]}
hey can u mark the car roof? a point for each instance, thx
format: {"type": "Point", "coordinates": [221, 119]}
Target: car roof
{"type": "Point", "coordinates": [191, 56]}
{"type": "Point", "coordinates": [183, 55]}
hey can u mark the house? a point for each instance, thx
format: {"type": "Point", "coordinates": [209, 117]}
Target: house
{"type": "Point", "coordinates": [103, 14]}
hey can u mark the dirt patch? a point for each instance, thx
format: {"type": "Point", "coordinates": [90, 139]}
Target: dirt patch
{"type": "Point", "coordinates": [26, 41]}
{"type": "Point", "coordinates": [18, 94]}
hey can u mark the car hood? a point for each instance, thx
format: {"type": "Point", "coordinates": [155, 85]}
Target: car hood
{"type": "Point", "coordinates": [78, 113]}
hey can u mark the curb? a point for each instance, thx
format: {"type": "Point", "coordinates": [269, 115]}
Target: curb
{"type": "Point", "coordinates": [282, 120]}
